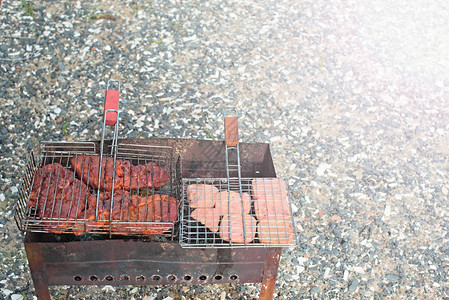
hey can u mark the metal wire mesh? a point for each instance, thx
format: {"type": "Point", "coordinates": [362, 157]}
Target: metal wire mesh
{"type": "Point", "coordinates": [217, 212]}
{"type": "Point", "coordinates": [62, 191]}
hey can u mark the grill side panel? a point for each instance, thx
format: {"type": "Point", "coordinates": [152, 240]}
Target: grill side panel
{"type": "Point", "coordinates": [144, 263]}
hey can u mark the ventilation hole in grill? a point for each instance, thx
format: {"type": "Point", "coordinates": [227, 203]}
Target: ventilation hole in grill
{"type": "Point", "coordinates": [93, 278]}
{"type": "Point", "coordinates": [233, 277]}
{"type": "Point", "coordinates": [77, 278]}
{"type": "Point", "coordinates": [187, 277]}
{"type": "Point", "coordinates": [140, 278]}
{"type": "Point", "coordinates": [202, 277]}
{"type": "Point", "coordinates": [156, 277]}
{"type": "Point", "coordinates": [218, 277]}
{"type": "Point", "coordinates": [109, 278]}
{"type": "Point", "coordinates": [171, 277]}
{"type": "Point", "coordinates": [124, 277]}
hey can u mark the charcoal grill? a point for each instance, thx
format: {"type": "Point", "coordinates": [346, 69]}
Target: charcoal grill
{"type": "Point", "coordinates": [186, 252]}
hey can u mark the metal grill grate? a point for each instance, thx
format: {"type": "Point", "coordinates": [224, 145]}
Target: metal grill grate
{"type": "Point", "coordinates": [217, 212]}
{"type": "Point", "coordinates": [62, 193]}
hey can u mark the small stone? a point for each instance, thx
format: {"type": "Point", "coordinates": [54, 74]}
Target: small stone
{"type": "Point", "coordinates": [16, 297]}
{"type": "Point", "coordinates": [358, 174]}
{"type": "Point", "coordinates": [444, 191]}
{"type": "Point", "coordinates": [314, 290]}
{"type": "Point", "coordinates": [61, 67]}
{"type": "Point", "coordinates": [223, 295]}
{"type": "Point", "coordinates": [322, 168]}
{"type": "Point", "coordinates": [387, 210]}
{"type": "Point", "coordinates": [393, 277]}
{"type": "Point", "coordinates": [337, 232]}
{"type": "Point", "coordinates": [353, 285]}
{"type": "Point", "coordinates": [336, 218]}
{"type": "Point", "coordinates": [320, 214]}
{"type": "Point", "coordinates": [108, 288]}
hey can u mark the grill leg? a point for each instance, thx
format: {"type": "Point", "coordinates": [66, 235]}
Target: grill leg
{"type": "Point", "coordinates": [38, 272]}
{"type": "Point", "coordinates": [269, 273]}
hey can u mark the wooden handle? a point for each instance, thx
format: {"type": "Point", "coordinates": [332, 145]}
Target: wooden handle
{"type": "Point", "coordinates": [231, 131]}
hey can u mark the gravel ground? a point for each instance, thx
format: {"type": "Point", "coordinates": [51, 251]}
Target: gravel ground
{"type": "Point", "coordinates": [352, 96]}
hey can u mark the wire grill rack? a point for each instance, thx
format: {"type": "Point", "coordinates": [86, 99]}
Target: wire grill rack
{"type": "Point", "coordinates": [235, 211]}
{"type": "Point", "coordinates": [216, 212]}
{"type": "Point", "coordinates": [64, 203]}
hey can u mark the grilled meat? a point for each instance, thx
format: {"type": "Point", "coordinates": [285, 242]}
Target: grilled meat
{"type": "Point", "coordinates": [235, 204]}
{"type": "Point", "coordinates": [235, 230]}
{"type": "Point", "coordinates": [128, 208]}
{"type": "Point", "coordinates": [276, 231]}
{"type": "Point", "coordinates": [57, 194]}
{"type": "Point", "coordinates": [270, 198]}
{"type": "Point", "coordinates": [202, 195]}
{"type": "Point", "coordinates": [127, 176]}
{"type": "Point", "coordinates": [209, 217]}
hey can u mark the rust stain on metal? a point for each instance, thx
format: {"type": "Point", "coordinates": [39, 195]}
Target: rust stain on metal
{"type": "Point", "coordinates": [270, 273]}
{"type": "Point", "coordinates": [167, 246]}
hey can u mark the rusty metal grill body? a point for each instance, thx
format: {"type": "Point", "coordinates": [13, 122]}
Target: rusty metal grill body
{"type": "Point", "coordinates": [161, 260]}
{"type": "Point", "coordinates": [60, 153]}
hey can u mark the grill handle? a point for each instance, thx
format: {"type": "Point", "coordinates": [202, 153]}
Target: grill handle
{"type": "Point", "coordinates": [111, 104]}
{"type": "Point", "coordinates": [231, 131]}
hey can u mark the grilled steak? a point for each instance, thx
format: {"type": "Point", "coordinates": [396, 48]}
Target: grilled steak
{"type": "Point", "coordinates": [235, 203]}
{"type": "Point", "coordinates": [56, 193]}
{"type": "Point", "coordinates": [235, 231]}
{"type": "Point", "coordinates": [131, 208]}
{"type": "Point", "coordinates": [275, 231]}
{"type": "Point", "coordinates": [202, 195]}
{"type": "Point", "coordinates": [209, 217]}
{"type": "Point", "coordinates": [127, 176]}
{"type": "Point", "coordinates": [270, 198]}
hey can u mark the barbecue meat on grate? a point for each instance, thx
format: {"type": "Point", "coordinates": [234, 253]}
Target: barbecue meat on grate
{"type": "Point", "coordinates": [235, 230]}
{"type": "Point", "coordinates": [57, 194]}
{"type": "Point", "coordinates": [276, 231]}
{"type": "Point", "coordinates": [270, 198]}
{"type": "Point", "coordinates": [209, 217]}
{"type": "Point", "coordinates": [235, 203]}
{"type": "Point", "coordinates": [127, 176]}
{"type": "Point", "coordinates": [129, 210]}
{"type": "Point", "coordinates": [202, 195]}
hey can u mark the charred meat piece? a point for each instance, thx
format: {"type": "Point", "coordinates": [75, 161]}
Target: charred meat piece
{"type": "Point", "coordinates": [127, 176]}
{"type": "Point", "coordinates": [231, 203]}
{"type": "Point", "coordinates": [233, 229]}
{"type": "Point", "coordinates": [131, 213]}
{"type": "Point", "coordinates": [89, 221]}
{"type": "Point", "coordinates": [209, 217]}
{"type": "Point", "coordinates": [202, 195]}
{"type": "Point", "coordinates": [270, 198]}
{"type": "Point", "coordinates": [276, 231]}
{"type": "Point", "coordinates": [57, 195]}
{"type": "Point", "coordinates": [157, 209]}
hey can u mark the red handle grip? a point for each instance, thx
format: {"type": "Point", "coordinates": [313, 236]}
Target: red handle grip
{"type": "Point", "coordinates": [111, 102]}
{"type": "Point", "coordinates": [231, 131]}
